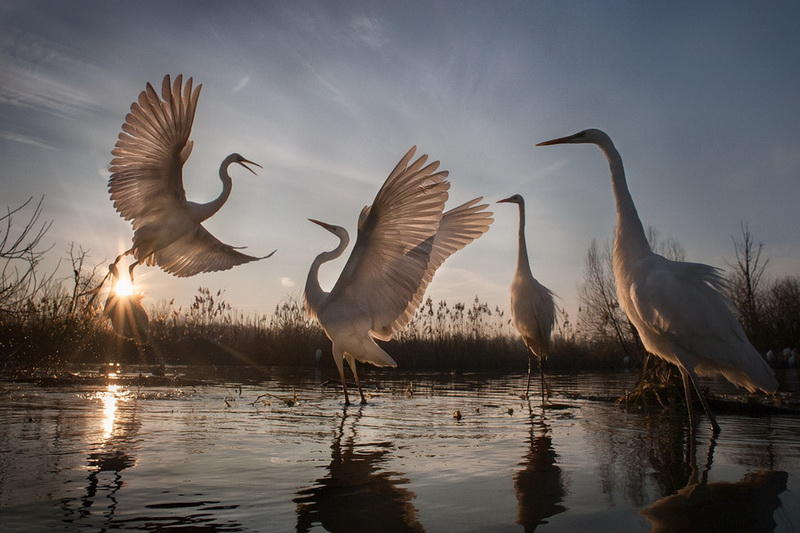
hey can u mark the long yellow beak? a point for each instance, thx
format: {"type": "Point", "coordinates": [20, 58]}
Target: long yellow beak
{"type": "Point", "coordinates": [243, 161]}
{"type": "Point", "coordinates": [560, 140]}
{"type": "Point", "coordinates": [324, 225]}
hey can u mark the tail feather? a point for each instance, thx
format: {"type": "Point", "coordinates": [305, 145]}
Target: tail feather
{"type": "Point", "coordinates": [373, 354]}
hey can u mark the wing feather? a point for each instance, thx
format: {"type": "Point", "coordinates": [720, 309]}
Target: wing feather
{"type": "Point", "coordinates": [394, 244]}
{"type": "Point", "coordinates": [682, 307]}
{"type": "Point", "coordinates": [458, 227]}
{"type": "Point", "coordinates": [199, 251]}
{"type": "Point", "coordinates": [146, 179]}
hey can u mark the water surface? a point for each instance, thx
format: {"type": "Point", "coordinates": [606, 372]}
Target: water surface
{"type": "Point", "coordinates": [229, 457]}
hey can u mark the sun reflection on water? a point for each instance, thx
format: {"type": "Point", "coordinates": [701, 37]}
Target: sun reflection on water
{"type": "Point", "coordinates": [110, 397]}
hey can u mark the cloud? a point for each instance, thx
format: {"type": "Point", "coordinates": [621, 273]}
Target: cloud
{"type": "Point", "coordinates": [287, 282]}
{"type": "Point", "coordinates": [369, 31]}
{"type": "Point", "coordinates": [25, 139]}
{"type": "Point", "coordinates": [241, 84]}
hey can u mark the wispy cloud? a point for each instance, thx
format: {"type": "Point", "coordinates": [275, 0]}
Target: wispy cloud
{"type": "Point", "coordinates": [25, 139]}
{"type": "Point", "coordinates": [241, 84]}
{"type": "Point", "coordinates": [287, 282]}
{"type": "Point", "coordinates": [369, 31]}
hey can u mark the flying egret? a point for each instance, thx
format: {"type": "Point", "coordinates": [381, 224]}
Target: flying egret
{"type": "Point", "coordinates": [146, 186]}
{"type": "Point", "coordinates": [403, 237]}
{"type": "Point", "coordinates": [678, 308]}
{"type": "Point", "coordinates": [532, 307]}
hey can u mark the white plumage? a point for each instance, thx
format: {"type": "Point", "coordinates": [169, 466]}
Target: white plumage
{"type": "Point", "coordinates": [403, 237]}
{"type": "Point", "coordinates": [532, 308]}
{"type": "Point", "coordinates": [146, 185]}
{"type": "Point", "coordinates": [678, 308]}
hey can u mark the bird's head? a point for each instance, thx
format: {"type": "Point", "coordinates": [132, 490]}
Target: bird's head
{"type": "Point", "coordinates": [239, 159]}
{"type": "Point", "coordinates": [590, 136]}
{"type": "Point", "coordinates": [336, 230]}
{"type": "Point", "coordinates": [513, 199]}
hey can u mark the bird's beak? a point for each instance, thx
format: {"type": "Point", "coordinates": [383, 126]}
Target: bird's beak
{"type": "Point", "coordinates": [560, 140]}
{"type": "Point", "coordinates": [505, 200]}
{"type": "Point", "coordinates": [324, 225]}
{"type": "Point", "coordinates": [243, 161]}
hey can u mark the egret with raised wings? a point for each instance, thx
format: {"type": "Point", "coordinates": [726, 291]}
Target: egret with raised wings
{"type": "Point", "coordinates": [678, 308]}
{"type": "Point", "coordinates": [403, 238]}
{"type": "Point", "coordinates": [532, 307]}
{"type": "Point", "coordinates": [146, 186]}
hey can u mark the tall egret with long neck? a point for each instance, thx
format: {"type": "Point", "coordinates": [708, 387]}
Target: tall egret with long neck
{"type": "Point", "coordinates": [532, 307]}
{"type": "Point", "coordinates": [146, 186]}
{"type": "Point", "coordinates": [403, 238]}
{"type": "Point", "coordinates": [678, 308]}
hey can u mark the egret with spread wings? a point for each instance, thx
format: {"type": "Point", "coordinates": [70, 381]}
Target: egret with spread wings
{"type": "Point", "coordinates": [403, 238]}
{"type": "Point", "coordinates": [678, 308]}
{"type": "Point", "coordinates": [532, 306]}
{"type": "Point", "coordinates": [146, 186]}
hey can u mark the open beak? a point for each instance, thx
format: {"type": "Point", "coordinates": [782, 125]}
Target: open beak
{"type": "Point", "coordinates": [324, 225]}
{"type": "Point", "coordinates": [243, 161]}
{"type": "Point", "coordinates": [560, 140]}
{"type": "Point", "coordinates": [505, 201]}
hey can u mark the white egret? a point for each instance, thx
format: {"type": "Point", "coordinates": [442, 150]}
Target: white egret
{"type": "Point", "coordinates": [678, 308]}
{"type": "Point", "coordinates": [403, 238]}
{"type": "Point", "coordinates": [146, 186]}
{"type": "Point", "coordinates": [532, 307]}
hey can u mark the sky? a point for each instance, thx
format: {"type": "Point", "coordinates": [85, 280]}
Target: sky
{"type": "Point", "coordinates": [701, 99]}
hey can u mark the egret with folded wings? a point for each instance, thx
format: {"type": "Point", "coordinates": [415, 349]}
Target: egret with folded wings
{"type": "Point", "coordinates": [146, 186]}
{"type": "Point", "coordinates": [403, 237]}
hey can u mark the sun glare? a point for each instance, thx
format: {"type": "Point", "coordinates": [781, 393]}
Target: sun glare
{"type": "Point", "coordinates": [124, 287]}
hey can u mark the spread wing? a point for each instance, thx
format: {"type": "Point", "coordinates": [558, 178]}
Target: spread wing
{"type": "Point", "coordinates": [146, 182]}
{"type": "Point", "coordinates": [395, 240]}
{"type": "Point", "coordinates": [458, 227]}
{"type": "Point", "coordinates": [682, 303]}
{"type": "Point", "coordinates": [199, 251]}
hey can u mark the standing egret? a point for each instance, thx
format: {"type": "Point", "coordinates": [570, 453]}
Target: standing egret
{"type": "Point", "coordinates": [146, 186]}
{"type": "Point", "coordinates": [532, 307]}
{"type": "Point", "coordinates": [678, 308]}
{"type": "Point", "coordinates": [403, 237]}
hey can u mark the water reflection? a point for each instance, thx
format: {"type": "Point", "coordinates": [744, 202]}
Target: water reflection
{"type": "Point", "coordinates": [539, 485]}
{"type": "Point", "coordinates": [356, 495]}
{"type": "Point", "coordinates": [746, 505]}
{"type": "Point", "coordinates": [112, 453]}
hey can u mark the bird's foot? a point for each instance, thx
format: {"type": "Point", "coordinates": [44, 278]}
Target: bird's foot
{"type": "Point", "coordinates": [363, 401]}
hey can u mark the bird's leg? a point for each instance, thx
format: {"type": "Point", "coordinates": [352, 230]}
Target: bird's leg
{"type": "Point", "coordinates": [130, 270]}
{"type": "Point", "coordinates": [541, 376]}
{"type": "Point", "coordinates": [337, 357]}
{"type": "Point", "coordinates": [352, 363]}
{"type": "Point", "coordinates": [688, 393]}
{"type": "Point", "coordinates": [528, 386]}
{"type": "Point", "coordinates": [706, 408]}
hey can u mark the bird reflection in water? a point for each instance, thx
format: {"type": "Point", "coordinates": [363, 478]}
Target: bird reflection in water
{"type": "Point", "coordinates": [746, 505]}
{"type": "Point", "coordinates": [112, 454]}
{"type": "Point", "coordinates": [539, 485]}
{"type": "Point", "coordinates": [356, 495]}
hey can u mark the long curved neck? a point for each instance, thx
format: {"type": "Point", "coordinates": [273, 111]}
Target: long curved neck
{"type": "Point", "coordinates": [206, 210]}
{"type": "Point", "coordinates": [315, 296]}
{"type": "Point", "coordinates": [630, 240]}
{"type": "Point", "coordinates": [523, 264]}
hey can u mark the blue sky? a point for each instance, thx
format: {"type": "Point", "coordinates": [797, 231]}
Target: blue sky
{"type": "Point", "coordinates": [700, 98]}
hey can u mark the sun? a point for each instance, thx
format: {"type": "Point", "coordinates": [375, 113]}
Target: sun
{"type": "Point", "coordinates": [124, 288]}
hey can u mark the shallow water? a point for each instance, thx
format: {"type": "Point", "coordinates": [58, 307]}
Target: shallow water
{"type": "Point", "coordinates": [221, 458]}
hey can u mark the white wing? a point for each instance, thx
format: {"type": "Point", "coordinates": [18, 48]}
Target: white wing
{"type": "Point", "coordinates": [199, 251]}
{"type": "Point", "coordinates": [146, 184]}
{"type": "Point", "coordinates": [458, 227]}
{"type": "Point", "coordinates": [681, 304]}
{"type": "Point", "coordinates": [394, 244]}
